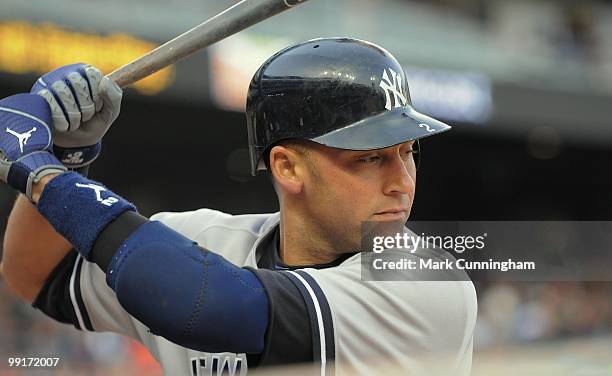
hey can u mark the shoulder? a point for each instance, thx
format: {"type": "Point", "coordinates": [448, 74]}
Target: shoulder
{"type": "Point", "coordinates": [350, 276]}
{"type": "Point", "coordinates": [194, 223]}
{"type": "Point", "coordinates": [435, 314]}
{"type": "Point", "coordinates": [232, 236]}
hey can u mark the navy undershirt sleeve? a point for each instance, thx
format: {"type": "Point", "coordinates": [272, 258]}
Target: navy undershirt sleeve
{"type": "Point", "coordinates": [289, 338]}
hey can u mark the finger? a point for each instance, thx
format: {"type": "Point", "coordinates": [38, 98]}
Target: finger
{"type": "Point", "coordinates": [111, 95]}
{"type": "Point", "coordinates": [94, 76]}
{"type": "Point", "coordinates": [80, 87]}
{"type": "Point", "coordinates": [60, 123]}
{"type": "Point", "coordinates": [65, 97]}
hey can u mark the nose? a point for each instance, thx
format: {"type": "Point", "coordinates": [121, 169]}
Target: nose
{"type": "Point", "coordinates": [400, 176]}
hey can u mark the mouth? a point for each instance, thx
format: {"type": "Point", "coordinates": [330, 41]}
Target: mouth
{"type": "Point", "coordinates": [393, 214]}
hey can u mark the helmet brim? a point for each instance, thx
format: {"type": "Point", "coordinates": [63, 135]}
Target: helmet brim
{"type": "Point", "coordinates": [383, 130]}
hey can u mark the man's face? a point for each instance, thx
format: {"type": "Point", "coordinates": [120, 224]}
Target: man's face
{"type": "Point", "coordinates": [345, 188]}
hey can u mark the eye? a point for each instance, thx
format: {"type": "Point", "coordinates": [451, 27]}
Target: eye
{"type": "Point", "coordinates": [369, 159]}
{"type": "Point", "coordinates": [406, 153]}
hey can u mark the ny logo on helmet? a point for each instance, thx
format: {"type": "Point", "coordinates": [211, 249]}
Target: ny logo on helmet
{"type": "Point", "coordinates": [393, 85]}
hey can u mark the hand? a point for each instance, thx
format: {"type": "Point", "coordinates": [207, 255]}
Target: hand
{"type": "Point", "coordinates": [25, 142]}
{"type": "Point", "coordinates": [83, 104]}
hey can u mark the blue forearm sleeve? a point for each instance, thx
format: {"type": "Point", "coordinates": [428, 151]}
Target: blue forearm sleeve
{"type": "Point", "coordinates": [79, 209]}
{"type": "Point", "coordinates": [190, 296]}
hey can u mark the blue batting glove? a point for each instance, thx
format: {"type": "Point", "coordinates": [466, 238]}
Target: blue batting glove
{"type": "Point", "coordinates": [25, 142]}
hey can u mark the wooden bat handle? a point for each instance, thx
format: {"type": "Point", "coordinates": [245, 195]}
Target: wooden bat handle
{"type": "Point", "coordinates": [232, 20]}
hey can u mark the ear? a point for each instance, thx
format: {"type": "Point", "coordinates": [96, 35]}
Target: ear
{"type": "Point", "coordinates": [287, 167]}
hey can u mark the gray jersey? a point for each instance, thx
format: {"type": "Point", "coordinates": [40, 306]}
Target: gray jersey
{"type": "Point", "coordinates": [326, 313]}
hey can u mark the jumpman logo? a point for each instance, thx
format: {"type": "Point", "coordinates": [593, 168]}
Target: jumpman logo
{"type": "Point", "coordinates": [109, 201]}
{"type": "Point", "coordinates": [23, 137]}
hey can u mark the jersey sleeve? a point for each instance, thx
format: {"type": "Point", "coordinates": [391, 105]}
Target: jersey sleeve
{"type": "Point", "coordinates": [58, 298]}
{"type": "Point", "coordinates": [405, 324]}
{"type": "Point", "coordinates": [76, 293]}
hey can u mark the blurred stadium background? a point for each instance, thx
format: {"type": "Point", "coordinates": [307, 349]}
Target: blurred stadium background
{"type": "Point", "coordinates": [526, 83]}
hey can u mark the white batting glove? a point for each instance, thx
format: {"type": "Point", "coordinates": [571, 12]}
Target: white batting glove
{"type": "Point", "coordinates": [83, 104]}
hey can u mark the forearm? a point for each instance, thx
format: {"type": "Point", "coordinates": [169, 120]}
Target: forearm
{"type": "Point", "coordinates": [32, 248]}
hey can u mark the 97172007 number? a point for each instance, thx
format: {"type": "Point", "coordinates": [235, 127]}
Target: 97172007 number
{"type": "Point", "coordinates": [27, 362]}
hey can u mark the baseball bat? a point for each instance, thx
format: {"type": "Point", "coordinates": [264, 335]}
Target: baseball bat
{"type": "Point", "coordinates": [232, 20]}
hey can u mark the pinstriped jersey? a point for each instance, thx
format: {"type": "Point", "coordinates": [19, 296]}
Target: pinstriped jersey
{"type": "Point", "coordinates": [325, 315]}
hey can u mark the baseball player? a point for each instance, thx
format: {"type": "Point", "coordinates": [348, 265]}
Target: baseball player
{"type": "Point", "coordinates": [207, 292]}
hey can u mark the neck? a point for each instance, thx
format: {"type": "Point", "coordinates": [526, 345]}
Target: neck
{"type": "Point", "coordinates": [301, 242]}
